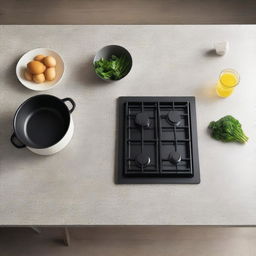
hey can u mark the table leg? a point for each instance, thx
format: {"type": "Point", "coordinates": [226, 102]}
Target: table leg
{"type": "Point", "coordinates": [37, 230]}
{"type": "Point", "coordinates": [67, 236]}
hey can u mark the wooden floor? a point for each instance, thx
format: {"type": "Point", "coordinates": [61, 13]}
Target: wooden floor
{"type": "Point", "coordinates": [127, 12]}
{"type": "Point", "coordinates": [126, 241]}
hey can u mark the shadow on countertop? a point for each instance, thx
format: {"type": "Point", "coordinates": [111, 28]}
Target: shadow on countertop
{"type": "Point", "coordinates": [207, 93]}
{"type": "Point", "coordinates": [12, 80]}
{"type": "Point", "coordinates": [86, 75]}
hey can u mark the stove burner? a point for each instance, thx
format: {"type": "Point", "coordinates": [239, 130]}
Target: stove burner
{"type": "Point", "coordinates": [175, 157]}
{"type": "Point", "coordinates": [142, 119]}
{"type": "Point", "coordinates": [173, 118]}
{"type": "Point", "coordinates": [157, 141]}
{"type": "Point", "coordinates": [142, 160]}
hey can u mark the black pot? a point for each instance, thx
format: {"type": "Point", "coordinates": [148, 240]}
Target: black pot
{"type": "Point", "coordinates": [43, 124]}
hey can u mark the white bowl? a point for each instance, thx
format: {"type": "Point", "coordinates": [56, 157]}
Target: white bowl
{"type": "Point", "coordinates": [29, 56]}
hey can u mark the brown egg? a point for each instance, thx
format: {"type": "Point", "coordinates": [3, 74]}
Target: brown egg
{"type": "Point", "coordinates": [49, 61]}
{"type": "Point", "coordinates": [39, 57]}
{"type": "Point", "coordinates": [50, 74]}
{"type": "Point", "coordinates": [39, 78]}
{"type": "Point", "coordinates": [36, 67]}
{"type": "Point", "coordinates": [27, 75]}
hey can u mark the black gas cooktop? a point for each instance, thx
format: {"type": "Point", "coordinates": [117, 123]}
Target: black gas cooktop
{"type": "Point", "coordinates": [157, 141]}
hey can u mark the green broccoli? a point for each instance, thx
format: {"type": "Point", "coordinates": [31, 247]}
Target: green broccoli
{"type": "Point", "coordinates": [113, 68]}
{"type": "Point", "coordinates": [227, 129]}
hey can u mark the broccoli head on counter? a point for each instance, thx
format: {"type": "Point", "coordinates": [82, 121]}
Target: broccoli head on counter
{"type": "Point", "coordinates": [227, 129]}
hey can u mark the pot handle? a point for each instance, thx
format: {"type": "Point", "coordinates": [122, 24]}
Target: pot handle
{"type": "Point", "coordinates": [72, 103]}
{"type": "Point", "coordinates": [15, 142]}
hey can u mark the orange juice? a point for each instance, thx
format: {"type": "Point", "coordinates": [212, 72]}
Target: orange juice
{"type": "Point", "coordinates": [228, 80]}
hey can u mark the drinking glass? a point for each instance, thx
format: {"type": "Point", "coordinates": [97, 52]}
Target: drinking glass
{"type": "Point", "coordinates": [228, 80]}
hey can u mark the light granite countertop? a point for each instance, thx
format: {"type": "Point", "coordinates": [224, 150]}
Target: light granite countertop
{"type": "Point", "coordinates": [76, 186]}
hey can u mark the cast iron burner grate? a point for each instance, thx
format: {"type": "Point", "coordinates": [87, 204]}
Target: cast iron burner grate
{"type": "Point", "coordinates": [157, 140]}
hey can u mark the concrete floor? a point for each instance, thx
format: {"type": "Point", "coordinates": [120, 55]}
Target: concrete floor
{"type": "Point", "coordinates": [148, 241]}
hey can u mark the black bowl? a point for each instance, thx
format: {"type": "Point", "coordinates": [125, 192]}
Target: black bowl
{"type": "Point", "coordinates": [107, 52]}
